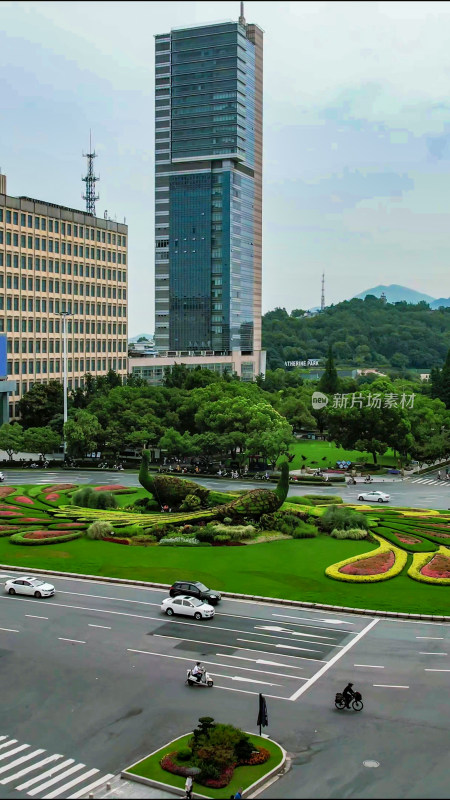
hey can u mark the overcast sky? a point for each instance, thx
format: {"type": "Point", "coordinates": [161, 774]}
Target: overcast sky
{"type": "Point", "coordinates": [356, 127]}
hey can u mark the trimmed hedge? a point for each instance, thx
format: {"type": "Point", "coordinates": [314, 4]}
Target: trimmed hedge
{"type": "Point", "coordinates": [398, 566]}
{"type": "Point", "coordinates": [420, 547]}
{"type": "Point", "coordinates": [19, 538]}
{"type": "Point", "coordinates": [420, 560]}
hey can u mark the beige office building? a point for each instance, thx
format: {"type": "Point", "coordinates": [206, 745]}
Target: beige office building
{"type": "Point", "coordinates": [56, 260]}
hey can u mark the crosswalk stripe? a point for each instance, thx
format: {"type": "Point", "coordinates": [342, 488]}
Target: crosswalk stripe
{"type": "Point", "coordinates": [20, 760]}
{"type": "Point", "coordinates": [67, 786]}
{"type": "Point", "coordinates": [13, 752]}
{"type": "Point", "coordinates": [3, 737]}
{"type": "Point", "coordinates": [88, 789]}
{"type": "Point", "coordinates": [8, 744]}
{"type": "Point", "coordinates": [51, 771]}
{"type": "Point", "coordinates": [25, 771]}
{"type": "Point", "coordinates": [56, 780]}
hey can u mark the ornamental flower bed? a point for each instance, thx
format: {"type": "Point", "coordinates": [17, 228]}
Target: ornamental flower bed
{"type": "Point", "coordinates": [371, 565]}
{"type": "Point", "coordinates": [22, 499]}
{"type": "Point", "coordinates": [61, 487]}
{"type": "Point", "coordinates": [43, 534]}
{"type": "Point", "coordinates": [110, 488]}
{"type": "Point", "coordinates": [438, 567]}
{"type": "Point", "coordinates": [6, 490]}
{"type": "Point", "coordinates": [52, 496]}
{"type": "Point", "coordinates": [403, 537]}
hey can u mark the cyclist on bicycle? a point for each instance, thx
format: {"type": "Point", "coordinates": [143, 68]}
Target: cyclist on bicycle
{"type": "Point", "coordinates": [348, 694]}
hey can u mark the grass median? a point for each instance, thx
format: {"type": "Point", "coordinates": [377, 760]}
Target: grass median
{"type": "Point", "coordinates": [290, 569]}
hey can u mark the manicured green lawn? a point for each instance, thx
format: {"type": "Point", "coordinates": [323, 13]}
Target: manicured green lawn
{"type": "Point", "coordinates": [315, 451]}
{"type": "Point", "coordinates": [242, 776]}
{"type": "Point", "coordinates": [291, 569]}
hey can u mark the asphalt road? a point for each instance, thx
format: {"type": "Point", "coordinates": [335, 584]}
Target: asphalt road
{"type": "Point", "coordinates": [426, 492]}
{"type": "Point", "coordinates": [92, 679]}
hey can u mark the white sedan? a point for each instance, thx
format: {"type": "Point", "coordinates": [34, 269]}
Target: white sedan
{"type": "Point", "coordinates": [26, 585]}
{"type": "Point", "coordinates": [374, 497]}
{"type": "Point", "coordinates": [190, 606]}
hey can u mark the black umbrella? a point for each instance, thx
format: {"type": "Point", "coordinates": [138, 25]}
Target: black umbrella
{"type": "Point", "coordinates": [263, 718]}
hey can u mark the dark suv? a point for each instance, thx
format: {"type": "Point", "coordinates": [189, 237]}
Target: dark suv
{"type": "Point", "coordinates": [195, 589]}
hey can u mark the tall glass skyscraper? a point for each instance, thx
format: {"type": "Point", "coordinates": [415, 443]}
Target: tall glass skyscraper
{"type": "Point", "coordinates": [208, 191]}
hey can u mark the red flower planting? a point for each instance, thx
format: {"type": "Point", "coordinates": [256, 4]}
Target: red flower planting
{"type": "Point", "coordinates": [438, 567]}
{"type": "Point", "coordinates": [43, 534]}
{"type": "Point", "coordinates": [9, 528]}
{"type": "Point", "coordinates": [67, 525]}
{"type": "Point", "coordinates": [219, 783]}
{"type": "Point", "coordinates": [169, 765]}
{"type": "Point", "coordinates": [117, 541]}
{"type": "Point", "coordinates": [110, 488]}
{"type": "Point", "coordinates": [61, 487]}
{"type": "Point", "coordinates": [6, 490]}
{"type": "Point", "coordinates": [10, 513]}
{"type": "Point", "coordinates": [373, 565]}
{"type": "Point", "coordinates": [52, 496]}
{"type": "Point", "coordinates": [23, 499]}
{"type": "Point", "coordinates": [32, 519]}
{"type": "Point", "coordinates": [403, 537]}
{"type": "Point", "coordinates": [259, 756]}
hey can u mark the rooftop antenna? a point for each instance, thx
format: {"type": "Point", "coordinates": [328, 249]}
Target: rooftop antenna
{"type": "Point", "coordinates": [322, 299]}
{"type": "Point", "coordinates": [241, 17]}
{"type": "Point", "coordinates": [90, 179]}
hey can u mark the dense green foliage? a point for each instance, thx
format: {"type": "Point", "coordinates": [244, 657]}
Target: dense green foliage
{"type": "Point", "coordinates": [363, 332]}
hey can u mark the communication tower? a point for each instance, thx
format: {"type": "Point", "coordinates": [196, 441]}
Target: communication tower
{"type": "Point", "coordinates": [90, 180]}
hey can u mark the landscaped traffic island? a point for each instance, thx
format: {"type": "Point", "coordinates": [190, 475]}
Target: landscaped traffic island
{"type": "Point", "coordinates": [311, 548]}
{"type": "Point", "coordinates": [218, 757]}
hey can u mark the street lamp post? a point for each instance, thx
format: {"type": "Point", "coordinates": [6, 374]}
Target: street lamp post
{"type": "Point", "coordinates": [64, 315]}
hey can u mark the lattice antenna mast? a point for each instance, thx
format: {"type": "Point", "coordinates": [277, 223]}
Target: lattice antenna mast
{"type": "Point", "coordinates": [241, 16]}
{"type": "Point", "coordinates": [90, 180]}
{"type": "Point", "coordinates": [322, 299]}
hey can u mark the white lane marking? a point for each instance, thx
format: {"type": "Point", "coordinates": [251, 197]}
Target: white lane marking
{"type": "Point", "coordinates": [283, 646]}
{"type": "Point", "coordinates": [35, 616]}
{"type": "Point", "coordinates": [230, 646]}
{"type": "Point", "coordinates": [10, 630]}
{"type": "Point", "coordinates": [106, 627]}
{"type": "Point", "coordinates": [21, 760]}
{"type": "Point", "coordinates": [369, 666]}
{"type": "Point", "coordinates": [87, 789]}
{"type": "Point", "coordinates": [247, 691]}
{"type": "Point", "coordinates": [430, 637]}
{"type": "Point", "coordinates": [245, 680]}
{"type": "Point", "coordinates": [25, 771]}
{"type": "Point", "coordinates": [337, 621]}
{"type": "Point", "coordinates": [13, 752]}
{"type": "Point", "coordinates": [389, 686]}
{"type": "Point", "coordinates": [260, 661]}
{"type": "Point", "coordinates": [2, 738]}
{"type": "Point", "coordinates": [67, 786]}
{"type": "Point", "coordinates": [294, 633]}
{"type": "Point", "coordinates": [58, 778]}
{"type": "Point", "coordinates": [432, 654]}
{"type": "Point", "coordinates": [8, 744]}
{"type": "Point", "coordinates": [215, 664]}
{"type": "Point", "coordinates": [76, 641]}
{"type": "Point", "coordinates": [437, 670]}
{"type": "Point", "coordinates": [302, 625]}
{"type": "Point", "coordinates": [333, 660]}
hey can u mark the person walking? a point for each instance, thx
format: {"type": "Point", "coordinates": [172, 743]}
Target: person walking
{"type": "Point", "coordinates": [188, 787]}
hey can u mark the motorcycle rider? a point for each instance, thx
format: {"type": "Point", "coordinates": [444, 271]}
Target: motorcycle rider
{"type": "Point", "coordinates": [348, 694]}
{"type": "Point", "coordinates": [197, 672]}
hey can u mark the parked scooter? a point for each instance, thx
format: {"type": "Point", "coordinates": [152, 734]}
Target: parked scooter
{"type": "Point", "coordinates": [206, 680]}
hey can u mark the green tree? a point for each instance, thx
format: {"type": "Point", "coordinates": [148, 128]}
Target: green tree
{"type": "Point", "coordinates": [11, 438]}
{"type": "Point", "coordinates": [329, 382]}
{"type": "Point", "coordinates": [176, 444]}
{"type": "Point", "coordinates": [440, 382]}
{"type": "Point", "coordinates": [41, 403]}
{"type": "Point", "coordinates": [41, 440]}
{"type": "Point", "coordinates": [82, 431]}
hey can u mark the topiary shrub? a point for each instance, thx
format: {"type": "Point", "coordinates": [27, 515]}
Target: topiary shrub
{"type": "Point", "coordinates": [99, 530]}
{"type": "Point", "coordinates": [81, 497]}
{"type": "Point", "coordinates": [190, 503]}
{"type": "Point", "coordinates": [341, 519]}
{"type": "Point", "coordinates": [145, 504]}
{"type": "Point", "coordinates": [168, 488]}
{"type": "Point", "coordinates": [304, 531]}
{"type": "Point", "coordinates": [185, 754]}
{"type": "Point", "coordinates": [102, 500]}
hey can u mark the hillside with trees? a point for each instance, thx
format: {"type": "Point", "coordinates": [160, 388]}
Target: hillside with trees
{"type": "Point", "coordinates": [363, 333]}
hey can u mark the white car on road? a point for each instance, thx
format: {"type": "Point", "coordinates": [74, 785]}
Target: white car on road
{"type": "Point", "coordinates": [26, 585]}
{"type": "Point", "coordinates": [374, 497]}
{"type": "Point", "coordinates": [189, 606]}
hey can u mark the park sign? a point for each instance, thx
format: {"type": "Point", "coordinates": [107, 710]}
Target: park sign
{"type": "Point", "coordinates": [308, 362]}
{"type": "Point", "coordinates": [3, 366]}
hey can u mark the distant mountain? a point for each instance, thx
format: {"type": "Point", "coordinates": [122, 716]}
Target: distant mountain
{"type": "Point", "coordinates": [442, 301]}
{"type": "Point", "coordinates": [398, 294]}
{"type": "Point", "coordinates": [148, 336]}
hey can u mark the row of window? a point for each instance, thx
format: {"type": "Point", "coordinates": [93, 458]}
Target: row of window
{"type": "Point", "coordinates": [40, 305]}
{"type": "Point", "coordinates": [74, 326]}
{"type": "Point", "coordinates": [56, 346]}
{"type": "Point", "coordinates": [55, 226]}
{"type": "Point", "coordinates": [57, 307]}
{"type": "Point", "coordinates": [63, 287]}
{"type": "Point", "coordinates": [77, 365]}
{"type": "Point", "coordinates": [65, 248]}
{"type": "Point", "coordinates": [40, 264]}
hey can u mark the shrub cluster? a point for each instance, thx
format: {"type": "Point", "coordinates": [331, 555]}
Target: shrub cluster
{"type": "Point", "coordinates": [190, 503]}
{"type": "Point", "coordinates": [99, 529]}
{"type": "Point", "coordinates": [349, 533]}
{"type": "Point", "coordinates": [291, 523]}
{"type": "Point", "coordinates": [87, 497]}
{"type": "Point", "coordinates": [342, 519]}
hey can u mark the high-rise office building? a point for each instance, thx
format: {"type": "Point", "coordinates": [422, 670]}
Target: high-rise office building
{"type": "Point", "coordinates": [208, 195]}
{"type": "Point", "coordinates": [53, 261]}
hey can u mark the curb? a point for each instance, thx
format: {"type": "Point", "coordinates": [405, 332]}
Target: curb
{"type": "Point", "coordinates": [234, 595]}
{"type": "Point", "coordinates": [258, 785]}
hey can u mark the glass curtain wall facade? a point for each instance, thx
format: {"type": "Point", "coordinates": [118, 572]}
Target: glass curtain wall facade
{"type": "Point", "coordinates": [208, 189]}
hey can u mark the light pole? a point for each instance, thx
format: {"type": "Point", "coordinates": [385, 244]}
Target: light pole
{"type": "Point", "coordinates": [64, 315]}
